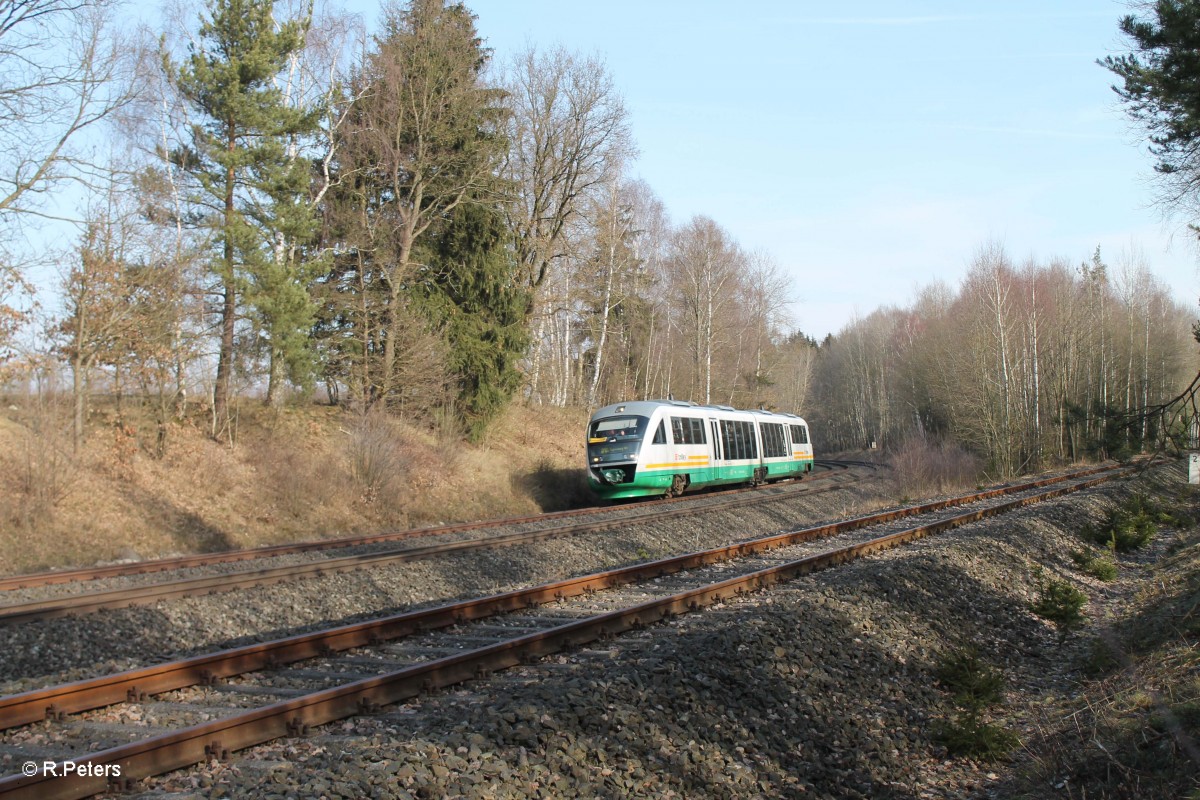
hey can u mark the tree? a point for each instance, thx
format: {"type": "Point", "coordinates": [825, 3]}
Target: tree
{"type": "Point", "coordinates": [422, 138]}
{"type": "Point", "coordinates": [569, 134]}
{"type": "Point", "coordinates": [471, 293]}
{"type": "Point", "coordinates": [96, 297]}
{"type": "Point", "coordinates": [764, 302]}
{"type": "Point", "coordinates": [127, 309]}
{"type": "Point", "coordinates": [1161, 91]}
{"type": "Point", "coordinates": [610, 268]}
{"type": "Point", "coordinates": [706, 269]}
{"type": "Point", "coordinates": [237, 154]}
{"type": "Point", "coordinates": [62, 74]}
{"type": "Point", "coordinates": [13, 315]}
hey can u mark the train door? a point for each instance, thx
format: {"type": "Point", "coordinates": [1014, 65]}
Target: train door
{"type": "Point", "coordinates": [716, 449]}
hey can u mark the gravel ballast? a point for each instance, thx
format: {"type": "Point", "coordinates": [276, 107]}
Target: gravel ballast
{"type": "Point", "coordinates": [57, 650]}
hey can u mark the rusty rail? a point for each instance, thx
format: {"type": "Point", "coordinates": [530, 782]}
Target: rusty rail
{"type": "Point", "coordinates": [19, 613]}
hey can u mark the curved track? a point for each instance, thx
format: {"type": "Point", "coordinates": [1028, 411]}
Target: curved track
{"type": "Point", "coordinates": [547, 526]}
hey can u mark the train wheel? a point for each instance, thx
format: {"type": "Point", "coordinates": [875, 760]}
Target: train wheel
{"type": "Point", "coordinates": [678, 485]}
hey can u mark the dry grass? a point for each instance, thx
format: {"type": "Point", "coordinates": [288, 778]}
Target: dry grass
{"type": "Point", "coordinates": [302, 473]}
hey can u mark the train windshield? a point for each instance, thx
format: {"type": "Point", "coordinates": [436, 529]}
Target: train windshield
{"type": "Point", "coordinates": [615, 439]}
{"type": "Point", "coordinates": [617, 429]}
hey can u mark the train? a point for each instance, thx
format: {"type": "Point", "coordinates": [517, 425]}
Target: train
{"type": "Point", "coordinates": [647, 448]}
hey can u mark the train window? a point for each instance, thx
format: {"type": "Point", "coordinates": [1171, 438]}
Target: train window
{"type": "Point", "coordinates": [799, 434]}
{"type": "Point", "coordinates": [660, 435]}
{"type": "Point", "coordinates": [737, 437]}
{"type": "Point", "coordinates": [688, 430]}
{"type": "Point", "coordinates": [773, 439]}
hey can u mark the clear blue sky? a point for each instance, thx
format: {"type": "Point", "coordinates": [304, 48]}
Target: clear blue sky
{"type": "Point", "coordinates": [874, 150]}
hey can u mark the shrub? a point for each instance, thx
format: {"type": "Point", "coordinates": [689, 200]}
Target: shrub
{"type": "Point", "coordinates": [1132, 525]}
{"type": "Point", "coordinates": [973, 683]}
{"type": "Point", "coordinates": [974, 686]}
{"type": "Point", "coordinates": [921, 467]}
{"type": "Point", "coordinates": [1099, 660]}
{"type": "Point", "coordinates": [375, 455]}
{"type": "Point", "coordinates": [47, 467]}
{"type": "Point", "coordinates": [1100, 566]}
{"type": "Point", "coordinates": [1060, 602]}
{"type": "Point", "coordinates": [556, 488]}
{"type": "Point", "coordinates": [970, 735]}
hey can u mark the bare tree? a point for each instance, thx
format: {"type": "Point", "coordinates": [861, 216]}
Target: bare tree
{"type": "Point", "coordinates": [60, 73]}
{"type": "Point", "coordinates": [568, 133]}
{"type": "Point", "coordinates": [707, 269]}
{"type": "Point", "coordinates": [100, 314]}
{"type": "Point", "coordinates": [764, 301]}
{"type": "Point", "coordinates": [129, 303]}
{"type": "Point", "coordinates": [613, 260]}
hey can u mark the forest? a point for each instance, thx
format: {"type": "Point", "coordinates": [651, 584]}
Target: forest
{"type": "Point", "coordinates": [280, 207]}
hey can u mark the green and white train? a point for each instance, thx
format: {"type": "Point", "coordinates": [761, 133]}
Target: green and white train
{"type": "Point", "coordinates": [666, 447]}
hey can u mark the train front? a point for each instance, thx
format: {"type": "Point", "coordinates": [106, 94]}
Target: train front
{"type": "Point", "coordinates": [614, 440]}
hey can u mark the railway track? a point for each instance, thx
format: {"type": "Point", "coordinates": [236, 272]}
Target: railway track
{"type": "Point", "coordinates": [332, 674]}
{"type": "Point", "coordinates": [75, 598]}
{"type": "Point", "coordinates": [84, 574]}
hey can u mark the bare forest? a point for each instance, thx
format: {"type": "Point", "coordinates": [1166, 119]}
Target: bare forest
{"type": "Point", "coordinates": [264, 204]}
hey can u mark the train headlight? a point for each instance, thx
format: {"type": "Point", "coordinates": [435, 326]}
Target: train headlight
{"type": "Point", "coordinates": [614, 475]}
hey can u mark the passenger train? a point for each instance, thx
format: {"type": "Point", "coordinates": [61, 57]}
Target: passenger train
{"type": "Point", "coordinates": [666, 447]}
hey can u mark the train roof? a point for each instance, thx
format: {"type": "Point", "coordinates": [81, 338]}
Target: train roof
{"type": "Point", "coordinates": [644, 408]}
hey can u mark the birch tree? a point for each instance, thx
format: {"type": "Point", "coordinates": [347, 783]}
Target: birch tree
{"type": "Point", "coordinates": [706, 269]}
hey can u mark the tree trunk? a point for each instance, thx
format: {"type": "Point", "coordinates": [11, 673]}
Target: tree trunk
{"type": "Point", "coordinates": [228, 307]}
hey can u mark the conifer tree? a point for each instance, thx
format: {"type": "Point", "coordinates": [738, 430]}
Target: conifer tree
{"type": "Point", "coordinates": [472, 292]}
{"type": "Point", "coordinates": [1161, 91]}
{"type": "Point", "coordinates": [247, 185]}
{"type": "Point", "coordinates": [422, 139]}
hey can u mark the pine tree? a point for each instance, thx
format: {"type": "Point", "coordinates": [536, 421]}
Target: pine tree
{"type": "Point", "coordinates": [1161, 91]}
{"type": "Point", "coordinates": [247, 184]}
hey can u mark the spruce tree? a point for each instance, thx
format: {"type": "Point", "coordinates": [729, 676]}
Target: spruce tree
{"type": "Point", "coordinates": [471, 292]}
{"type": "Point", "coordinates": [422, 138]}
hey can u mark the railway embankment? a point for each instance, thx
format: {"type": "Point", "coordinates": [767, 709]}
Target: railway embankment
{"type": "Point", "coordinates": [834, 685]}
{"type": "Point", "coordinates": [299, 473]}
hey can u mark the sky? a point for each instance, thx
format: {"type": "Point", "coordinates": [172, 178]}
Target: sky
{"type": "Point", "coordinates": [874, 151]}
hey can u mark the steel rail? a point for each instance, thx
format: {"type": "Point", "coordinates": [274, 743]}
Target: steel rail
{"type": "Point", "coordinates": [218, 738]}
{"type": "Point", "coordinates": [51, 577]}
{"type": "Point", "coordinates": [54, 702]}
{"type": "Point", "coordinates": [21, 613]}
